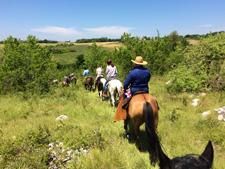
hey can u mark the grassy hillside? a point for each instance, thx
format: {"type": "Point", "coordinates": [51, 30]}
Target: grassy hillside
{"type": "Point", "coordinates": [80, 48]}
{"type": "Point", "coordinates": [28, 125]}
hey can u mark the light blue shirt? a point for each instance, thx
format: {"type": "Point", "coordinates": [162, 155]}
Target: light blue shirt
{"type": "Point", "coordinates": [86, 73]}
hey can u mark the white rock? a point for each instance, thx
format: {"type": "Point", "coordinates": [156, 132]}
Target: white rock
{"type": "Point", "coordinates": [195, 102]}
{"type": "Point", "coordinates": [62, 117]}
{"type": "Point", "coordinates": [221, 113]}
{"type": "Point", "coordinates": [202, 94]}
{"type": "Point", "coordinates": [167, 82]}
{"type": "Point", "coordinates": [220, 117]}
{"type": "Point", "coordinates": [206, 113]}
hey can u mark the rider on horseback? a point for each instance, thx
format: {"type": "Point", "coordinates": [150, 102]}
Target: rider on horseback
{"type": "Point", "coordinates": [111, 72]}
{"type": "Point", "coordinates": [138, 79]}
{"type": "Point", "coordinates": [99, 74]}
{"type": "Point", "coordinates": [86, 72]}
{"type": "Point", "coordinates": [71, 76]}
{"type": "Point", "coordinates": [66, 79]}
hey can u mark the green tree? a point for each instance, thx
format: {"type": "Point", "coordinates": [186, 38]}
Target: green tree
{"type": "Point", "coordinates": [26, 66]}
{"type": "Point", "coordinates": [95, 57]}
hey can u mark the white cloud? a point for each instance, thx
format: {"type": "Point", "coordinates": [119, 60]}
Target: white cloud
{"type": "Point", "coordinates": [205, 26]}
{"type": "Point", "coordinates": [64, 34]}
{"type": "Point", "coordinates": [115, 31]}
{"type": "Point", "coordinates": [58, 31]}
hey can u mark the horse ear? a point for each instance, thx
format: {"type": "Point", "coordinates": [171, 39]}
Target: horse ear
{"type": "Point", "coordinates": [208, 153]}
{"type": "Point", "coordinates": [164, 161]}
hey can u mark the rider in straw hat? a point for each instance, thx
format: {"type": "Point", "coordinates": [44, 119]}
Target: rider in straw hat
{"type": "Point", "coordinates": [138, 78]}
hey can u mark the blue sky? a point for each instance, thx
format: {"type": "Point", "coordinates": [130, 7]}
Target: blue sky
{"type": "Point", "coordinates": [69, 20]}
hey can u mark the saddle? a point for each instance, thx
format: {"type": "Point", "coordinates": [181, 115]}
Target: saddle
{"type": "Point", "coordinates": [112, 79]}
{"type": "Point", "coordinates": [126, 102]}
{"type": "Point", "coordinates": [99, 78]}
{"type": "Point", "coordinates": [121, 113]}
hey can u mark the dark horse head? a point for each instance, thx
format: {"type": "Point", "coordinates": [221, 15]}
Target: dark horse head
{"type": "Point", "coordinates": [190, 161]}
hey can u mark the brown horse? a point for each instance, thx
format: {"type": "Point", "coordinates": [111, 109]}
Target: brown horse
{"type": "Point", "coordinates": [143, 108]}
{"type": "Point", "coordinates": [88, 83]}
{"type": "Point", "coordinates": [64, 84]}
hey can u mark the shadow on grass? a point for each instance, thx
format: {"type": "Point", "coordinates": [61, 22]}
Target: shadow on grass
{"type": "Point", "coordinates": [132, 140]}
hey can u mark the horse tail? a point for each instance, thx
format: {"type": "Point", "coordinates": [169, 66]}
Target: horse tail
{"type": "Point", "coordinates": [152, 138]}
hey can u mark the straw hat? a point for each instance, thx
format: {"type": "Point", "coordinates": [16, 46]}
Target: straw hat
{"type": "Point", "coordinates": [139, 61]}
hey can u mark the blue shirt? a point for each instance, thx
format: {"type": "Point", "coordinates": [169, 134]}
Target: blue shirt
{"type": "Point", "coordinates": [138, 77]}
{"type": "Point", "coordinates": [86, 73]}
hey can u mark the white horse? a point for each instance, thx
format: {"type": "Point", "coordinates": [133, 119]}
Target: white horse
{"type": "Point", "coordinates": [114, 86]}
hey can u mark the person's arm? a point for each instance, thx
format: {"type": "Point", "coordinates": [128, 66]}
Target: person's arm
{"type": "Point", "coordinates": [127, 81]}
{"type": "Point", "coordinates": [84, 73]}
{"type": "Point", "coordinates": [107, 70]}
{"type": "Point", "coordinates": [116, 70]}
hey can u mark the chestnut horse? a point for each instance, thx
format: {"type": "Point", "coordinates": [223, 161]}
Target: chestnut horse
{"type": "Point", "coordinates": [143, 108]}
{"type": "Point", "coordinates": [88, 83]}
{"type": "Point", "coordinates": [64, 84]}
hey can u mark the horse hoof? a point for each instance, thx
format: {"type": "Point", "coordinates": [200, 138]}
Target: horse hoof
{"type": "Point", "coordinates": [139, 148]}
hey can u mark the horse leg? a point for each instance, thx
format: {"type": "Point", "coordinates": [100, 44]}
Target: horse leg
{"type": "Point", "coordinates": [126, 121]}
{"type": "Point", "coordinates": [137, 134]}
{"type": "Point", "coordinates": [113, 99]}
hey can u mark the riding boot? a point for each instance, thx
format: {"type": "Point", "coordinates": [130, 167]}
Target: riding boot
{"type": "Point", "coordinates": [125, 104]}
{"type": "Point", "coordinates": [104, 94]}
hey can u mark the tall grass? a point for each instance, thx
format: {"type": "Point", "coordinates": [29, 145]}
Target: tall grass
{"type": "Point", "coordinates": [30, 124]}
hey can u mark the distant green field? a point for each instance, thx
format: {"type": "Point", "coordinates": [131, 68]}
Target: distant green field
{"type": "Point", "coordinates": [70, 57]}
{"type": "Point", "coordinates": [81, 48]}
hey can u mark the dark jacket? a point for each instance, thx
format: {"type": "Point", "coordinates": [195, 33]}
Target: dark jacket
{"type": "Point", "coordinates": [138, 77]}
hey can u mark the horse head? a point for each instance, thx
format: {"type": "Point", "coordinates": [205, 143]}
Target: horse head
{"type": "Point", "coordinates": [203, 161]}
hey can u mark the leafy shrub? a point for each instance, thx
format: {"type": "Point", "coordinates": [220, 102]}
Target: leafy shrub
{"type": "Point", "coordinates": [175, 115]}
{"type": "Point", "coordinates": [26, 66]}
{"type": "Point", "coordinates": [208, 58]}
{"type": "Point", "coordinates": [183, 79]}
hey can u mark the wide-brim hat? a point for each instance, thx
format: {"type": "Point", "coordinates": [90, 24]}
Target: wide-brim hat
{"type": "Point", "coordinates": [139, 61]}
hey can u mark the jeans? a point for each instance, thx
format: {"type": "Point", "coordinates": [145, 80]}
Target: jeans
{"type": "Point", "coordinates": [136, 89]}
{"type": "Point", "coordinates": [110, 77]}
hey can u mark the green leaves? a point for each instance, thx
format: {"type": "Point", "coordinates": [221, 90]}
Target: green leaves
{"type": "Point", "coordinates": [26, 66]}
